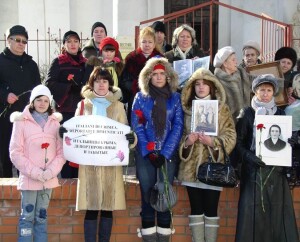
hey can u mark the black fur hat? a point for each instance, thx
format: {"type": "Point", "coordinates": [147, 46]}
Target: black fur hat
{"type": "Point", "coordinates": [159, 26]}
{"type": "Point", "coordinates": [286, 52]}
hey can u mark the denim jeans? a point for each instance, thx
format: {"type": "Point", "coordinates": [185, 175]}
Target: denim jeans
{"type": "Point", "coordinates": [33, 218]}
{"type": "Point", "coordinates": [146, 174]}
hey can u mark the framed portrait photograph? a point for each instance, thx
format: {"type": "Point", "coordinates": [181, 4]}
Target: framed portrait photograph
{"type": "Point", "coordinates": [272, 133]}
{"type": "Point", "coordinates": [281, 97]}
{"type": "Point", "coordinates": [205, 117]}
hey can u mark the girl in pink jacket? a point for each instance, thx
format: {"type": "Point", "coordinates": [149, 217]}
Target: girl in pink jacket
{"type": "Point", "coordinates": [36, 151]}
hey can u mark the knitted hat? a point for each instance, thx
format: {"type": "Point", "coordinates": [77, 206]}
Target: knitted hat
{"type": "Point", "coordinates": [286, 52]}
{"type": "Point", "coordinates": [159, 26]}
{"type": "Point", "coordinates": [40, 90]}
{"type": "Point", "coordinates": [98, 24]}
{"type": "Point", "coordinates": [252, 44]}
{"type": "Point", "coordinates": [109, 41]}
{"type": "Point", "coordinates": [17, 30]}
{"type": "Point", "coordinates": [266, 78]}
{"type": "Point", "coordinates": [70, 33]}
{"type": "Point", "coordinates": [222, 55]}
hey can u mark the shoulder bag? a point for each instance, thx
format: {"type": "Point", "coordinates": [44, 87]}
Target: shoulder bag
{"type": "Point", "coordinates": [216, 173]}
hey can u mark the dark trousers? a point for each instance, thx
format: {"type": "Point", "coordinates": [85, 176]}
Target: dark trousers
{"type": "Point", "coordinates": [5, 135]}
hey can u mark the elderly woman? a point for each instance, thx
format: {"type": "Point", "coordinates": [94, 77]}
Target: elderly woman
{"type": "Point", "coordinates": [235, 80]}
{"type": "Point", "coordinates": [134, 63]}
{"type": "Point", "coordinates": [184, 44]}
{"type": "Point", "coordinates": [157, 120]}
{"type": "Point", "coordinates": [251, 52]}
{"type": "Point", "coordinates": [270, 206]}
{"type": "Point", "coordinates": [195, 149]}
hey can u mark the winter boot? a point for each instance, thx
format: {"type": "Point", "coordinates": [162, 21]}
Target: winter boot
{"type": "Point", "coordinates": [105, 226]}
{"type": "Point", "coordinates": [163, 234]}
{"type": "Point", "coordinates": [197, 227]}
{"type": "Point", "coordinates": [148, 235]}
{"type": "Point", "coordinates": [90, 230]}
{"type": "Point", "coordinates": [211, 228]}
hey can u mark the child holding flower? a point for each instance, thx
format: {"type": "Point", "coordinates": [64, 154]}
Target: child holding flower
{"type": "Point", "coordinates": [36, 151]}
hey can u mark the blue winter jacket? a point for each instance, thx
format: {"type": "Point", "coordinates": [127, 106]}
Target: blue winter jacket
{"type": "Point", "coordinates": [144, 128]}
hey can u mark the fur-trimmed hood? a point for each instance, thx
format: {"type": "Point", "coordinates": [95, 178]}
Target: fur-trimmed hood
{"type": "Point", "coordinates": [202, 74]}
{"type": "Point", "coordinates": [20, 116]}
{"type": "Point", "coordinates": [113, 96]}
{"type": "Point", "coordinates": [145, 75]}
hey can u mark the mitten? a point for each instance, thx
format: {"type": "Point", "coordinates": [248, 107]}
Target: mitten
{"type": "Point", "coordinates": [61, 131]}
{"type": "Point", "coordinates": [47, 175]}
{"type": "Point", "coordinates": [153, 157]}
{"type": "Point", "coordinates": [130, 137]}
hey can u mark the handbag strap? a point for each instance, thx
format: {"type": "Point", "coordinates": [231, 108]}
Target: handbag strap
{"type": "Point", "coordinates": [226, 156]}
{"type": "Point", "coordinates": [157, 171]}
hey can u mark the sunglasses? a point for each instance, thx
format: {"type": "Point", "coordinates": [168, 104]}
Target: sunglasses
{"type": "Point", "coordinates": [19, 40]}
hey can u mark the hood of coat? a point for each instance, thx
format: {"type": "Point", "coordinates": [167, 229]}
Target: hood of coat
{"type": "Point", "coordinates": [201, 74]}
{"type": "Point", "coordinates": [20, 116]}
{"type": "Point", "coordinates": [145, 75]}
{"type": "Point", "coordinates": [113, 96]}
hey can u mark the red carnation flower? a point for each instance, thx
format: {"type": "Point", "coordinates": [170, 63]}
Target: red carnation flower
{"type": "Point", "coordinates": [260, 126]}
{"type": "Point", "coordinates": [70, 77]}
{"type": "Point", "coordinates": [45, 145]}
{"type": "Point", "coordinates": [150, 146]}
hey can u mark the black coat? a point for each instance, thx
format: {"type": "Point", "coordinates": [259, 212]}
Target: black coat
{"type": "Point", "coordinates": [66, 93]}
{"type": "Point", "coordinates": [277, 223]}
{"type": "Point", "coordinates": [18, 74]}
{"type": "Point", "coordinates": [173, 54]}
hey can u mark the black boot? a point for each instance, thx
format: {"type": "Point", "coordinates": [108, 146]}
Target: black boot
{"type": "Point", "coordinates": [90, 230]}
{"type": "Point", "coordinates": [105, 226]}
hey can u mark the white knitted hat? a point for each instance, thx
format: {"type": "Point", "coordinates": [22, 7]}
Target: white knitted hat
{"type": "Point", "coordinates": [40, 90]}
{"type": "Point", "coordinates": [222, 55]}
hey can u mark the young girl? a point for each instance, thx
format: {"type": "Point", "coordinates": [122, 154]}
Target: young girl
{"type": "Point", "coordinates": [101, 188]}
{"type": "Point", "coordinates": [36, 151]}
{"type": "Point", "coordinates": [109, 58]}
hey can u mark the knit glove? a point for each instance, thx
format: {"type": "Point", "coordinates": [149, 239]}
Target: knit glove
{"type": "Point", "coordinates": [294, 141]}
{"type": "Point", "coordinates": [47, 175]}
{"type": "Point", "coordinates": [61, 131]}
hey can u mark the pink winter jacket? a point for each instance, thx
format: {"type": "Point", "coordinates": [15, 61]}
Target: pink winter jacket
{"type": "Point", "coordinates": [27, 154]}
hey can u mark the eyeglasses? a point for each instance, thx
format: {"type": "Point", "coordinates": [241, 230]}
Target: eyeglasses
{"type": "Point", "coordinates": [19, 40]}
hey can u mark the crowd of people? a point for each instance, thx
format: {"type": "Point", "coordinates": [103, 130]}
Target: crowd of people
{"type": "Point", "coordinates": [142, 91]}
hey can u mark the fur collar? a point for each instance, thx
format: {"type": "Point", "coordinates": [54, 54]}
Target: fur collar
{"type": "Point", "coordinates": [20, 116]}
{"type": "Point", "coordinates": [145, 74]}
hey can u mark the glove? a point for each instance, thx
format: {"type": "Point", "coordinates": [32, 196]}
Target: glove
{"type": "Point", "coordinates": [293, 141]}
{"type": "Point", "coordinates": [160, 161]}
{"type": "Point", "coordinates": [130, 137]}
{"type": "Point", "coordinates": [61, 131]}
{"type": "Point", "coordinates": [47, 175]}
{"type": "Point", "coordinates": [258, 162]}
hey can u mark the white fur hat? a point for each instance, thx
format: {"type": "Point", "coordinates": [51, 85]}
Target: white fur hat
{"type": "Point", "coordinates": [222, 55]}
{"type": "Point", "coordinates": [40, 90]}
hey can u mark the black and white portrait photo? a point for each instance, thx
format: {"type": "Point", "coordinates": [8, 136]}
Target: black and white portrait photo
{"type": "Point", "coordinates": [271, 141]}
{"type": "Point", "coordinates": [274, 142]}
{"type": "Point", "coordinates": [205, 116]}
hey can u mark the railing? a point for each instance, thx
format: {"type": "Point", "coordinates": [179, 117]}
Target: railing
{"type": "Point", "coordinates": [204, 18]}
